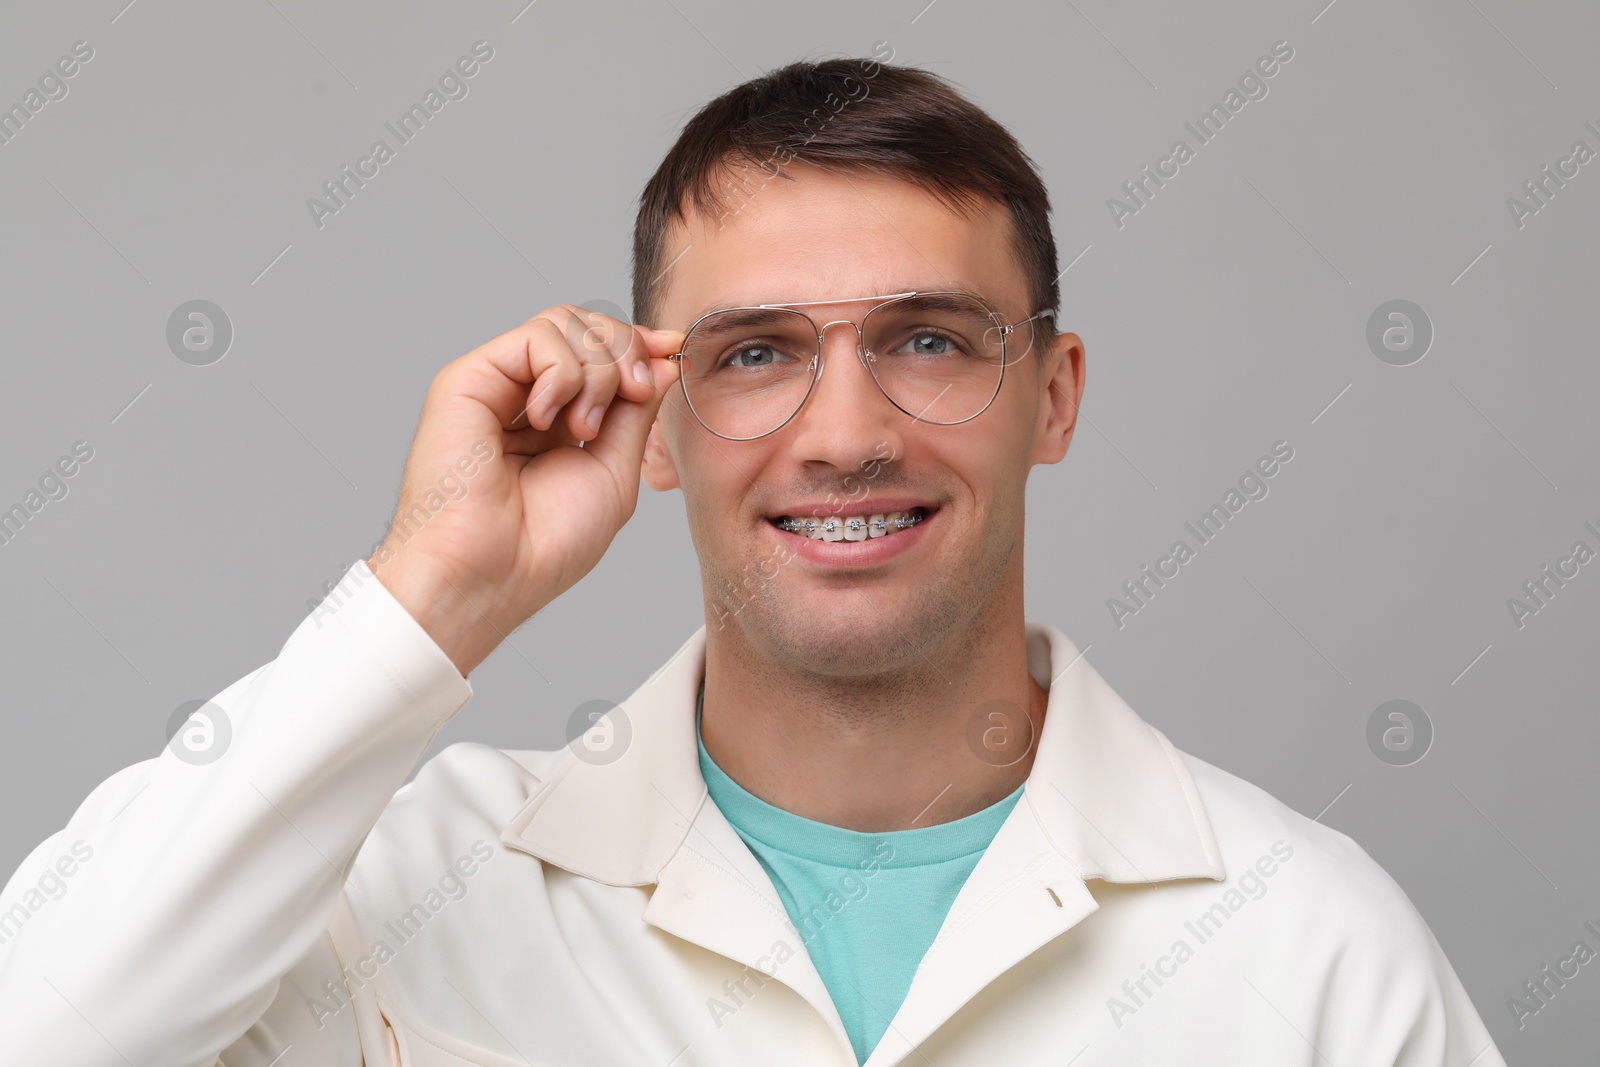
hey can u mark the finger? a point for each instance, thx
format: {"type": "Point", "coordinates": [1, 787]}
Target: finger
{"type": "Point", "coordinates": [529, 441]}
{"type": "Point", "coordinates": [499, 373]}
{"type": "Point", "coordinates": [601, 377]}
{"type": "Point", "coordinates": [645, 345]}
{"type": "Point", "coordinates": [630, 347]}
{"type": "Point", "coordinates": [620, 443]}
{"type": "Point", "coordinates": [613, 341]}
{"type": "Point", "coordinates": [616, 358]}
{"type": "Point", "coordinates": [504, 372]}
{"type": "Point", "coordinates": [665, 371]}
{"type": "Point", "coordinates": [559, 374]}
{"type": "Point", "coordinates": [633, 350]}
{"type": "Point", "coordinates": [658, 344]}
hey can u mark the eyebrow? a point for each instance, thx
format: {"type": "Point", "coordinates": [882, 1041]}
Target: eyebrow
{"type": "Point", "coordinates": [707, 309]}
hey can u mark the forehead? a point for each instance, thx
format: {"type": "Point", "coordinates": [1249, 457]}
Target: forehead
{"type": "Point", "coordinates": [822, 236]}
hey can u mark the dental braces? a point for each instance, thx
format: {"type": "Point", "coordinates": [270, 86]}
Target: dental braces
{"type": "Point", "coordinates": [829, 525]}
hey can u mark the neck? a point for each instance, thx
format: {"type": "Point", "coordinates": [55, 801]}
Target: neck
{"type": "Point", "coordinates": [933, 739]}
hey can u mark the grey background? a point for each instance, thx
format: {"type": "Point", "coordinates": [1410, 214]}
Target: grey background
{"type": "Point", "coordinates": [1228, 314]}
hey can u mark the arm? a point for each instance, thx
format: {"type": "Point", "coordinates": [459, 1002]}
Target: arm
{"type": "Point", "coordinates": [202, 892]}
{"type": "Point", "coordinates": [1391, 996]}
{"type": "Point", "coordinates": [194, 888]}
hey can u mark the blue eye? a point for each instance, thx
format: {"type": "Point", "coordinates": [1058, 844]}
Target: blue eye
{"type": "Point", "coordinates": [928, 342]}
{"type": "Point", "coordinates": [740, 353]}
{"type": "Point", "coordinates": [755, 356]}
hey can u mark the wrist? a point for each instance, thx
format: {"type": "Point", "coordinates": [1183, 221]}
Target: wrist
{"type": "Point", "coordinates": [459, 619]}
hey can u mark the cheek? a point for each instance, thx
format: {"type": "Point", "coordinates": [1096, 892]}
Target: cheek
{"type": "Point", "coordinates": [990, 458]}
{"type": "Point", "coordinates": [716, 481]}
{"type": "Point", "coordinates": [996, 475]}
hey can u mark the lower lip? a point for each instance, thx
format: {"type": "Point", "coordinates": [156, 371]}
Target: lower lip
{"type": "Point", "coordinates": [854, 554]}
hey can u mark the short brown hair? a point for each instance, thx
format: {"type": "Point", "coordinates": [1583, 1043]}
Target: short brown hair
{"type": "Point", "coordinates": [847, 115]}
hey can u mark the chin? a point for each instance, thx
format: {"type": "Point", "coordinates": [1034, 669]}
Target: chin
{"type": "Point", "coordinates": [840, 632]}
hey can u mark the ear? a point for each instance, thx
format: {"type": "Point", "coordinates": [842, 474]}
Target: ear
{"type": "Point", "coordinates": [660, 472]}
{"type": "Point", "coordinates": [1063, 369]}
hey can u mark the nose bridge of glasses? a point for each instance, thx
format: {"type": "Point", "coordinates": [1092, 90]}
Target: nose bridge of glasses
{"type": "Point", "coordinates": [841, 379]}
{"type": "Point", "coordinates": [822, 331]}
{"type": "Point", "coordinates": [822, 339]}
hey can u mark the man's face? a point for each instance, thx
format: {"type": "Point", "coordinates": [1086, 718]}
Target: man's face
{"type": "Point", "coordinates": [849, 451]}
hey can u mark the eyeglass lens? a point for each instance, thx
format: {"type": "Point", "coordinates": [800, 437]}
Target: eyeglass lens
{"type": "Point", "coordinates": [939, 357]}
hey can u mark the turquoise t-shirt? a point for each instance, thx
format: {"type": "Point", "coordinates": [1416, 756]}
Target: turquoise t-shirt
{"type": "Point", "coordinates": [867, 906]}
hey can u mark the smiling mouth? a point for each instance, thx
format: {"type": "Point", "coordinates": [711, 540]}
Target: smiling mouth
{"type": "Point", "coordinates": [851, 527]}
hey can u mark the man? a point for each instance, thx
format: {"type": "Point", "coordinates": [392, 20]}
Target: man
{"type": "Point", "coordinates": [867, 814]}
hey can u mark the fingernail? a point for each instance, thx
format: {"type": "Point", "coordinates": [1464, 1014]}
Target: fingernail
{"type": "Point", "coordinates": [641, 374]}
{"type": "Point", "coordinates": [536, 405]}
{"type": "Point", "coordinates": [593, 418]}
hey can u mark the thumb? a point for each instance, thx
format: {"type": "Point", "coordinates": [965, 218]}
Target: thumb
{"type": "Point", "coordinates": [660, 342]}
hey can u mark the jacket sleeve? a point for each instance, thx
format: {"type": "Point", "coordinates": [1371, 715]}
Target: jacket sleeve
{"type": "Point", "coordinates": [1391, 997]}
{"type": "Point", "coordinates": [182, 909]}
{"type": "Point", "coordinates": [1448, 1030]}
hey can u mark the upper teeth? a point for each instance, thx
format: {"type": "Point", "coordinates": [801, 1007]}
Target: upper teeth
{"type": "Point", "coordinates": [850, 527]}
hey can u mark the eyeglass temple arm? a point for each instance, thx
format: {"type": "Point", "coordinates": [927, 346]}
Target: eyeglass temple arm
{"type": "Point", "coordinates": [1042, 313]}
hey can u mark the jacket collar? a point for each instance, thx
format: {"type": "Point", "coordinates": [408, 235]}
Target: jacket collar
{"type": "Point", "coordinates": [1108, 791]}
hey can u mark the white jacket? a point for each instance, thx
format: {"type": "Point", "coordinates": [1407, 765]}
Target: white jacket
{"type": "Point", "coordinates": [291, 904]}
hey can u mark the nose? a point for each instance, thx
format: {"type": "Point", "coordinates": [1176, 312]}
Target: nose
{"type": "Point", "coordinates": [846, 419]}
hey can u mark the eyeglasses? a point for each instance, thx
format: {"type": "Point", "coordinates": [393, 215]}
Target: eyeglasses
{"type": "Point", "coordinates": [939, 357]}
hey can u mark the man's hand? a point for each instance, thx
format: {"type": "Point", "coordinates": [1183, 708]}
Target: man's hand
{"type": "Point", "coordinates": [558, 401]}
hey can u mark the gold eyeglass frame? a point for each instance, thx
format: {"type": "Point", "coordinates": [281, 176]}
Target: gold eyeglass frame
{"type": "Point", "coordinates": [818, 362]}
